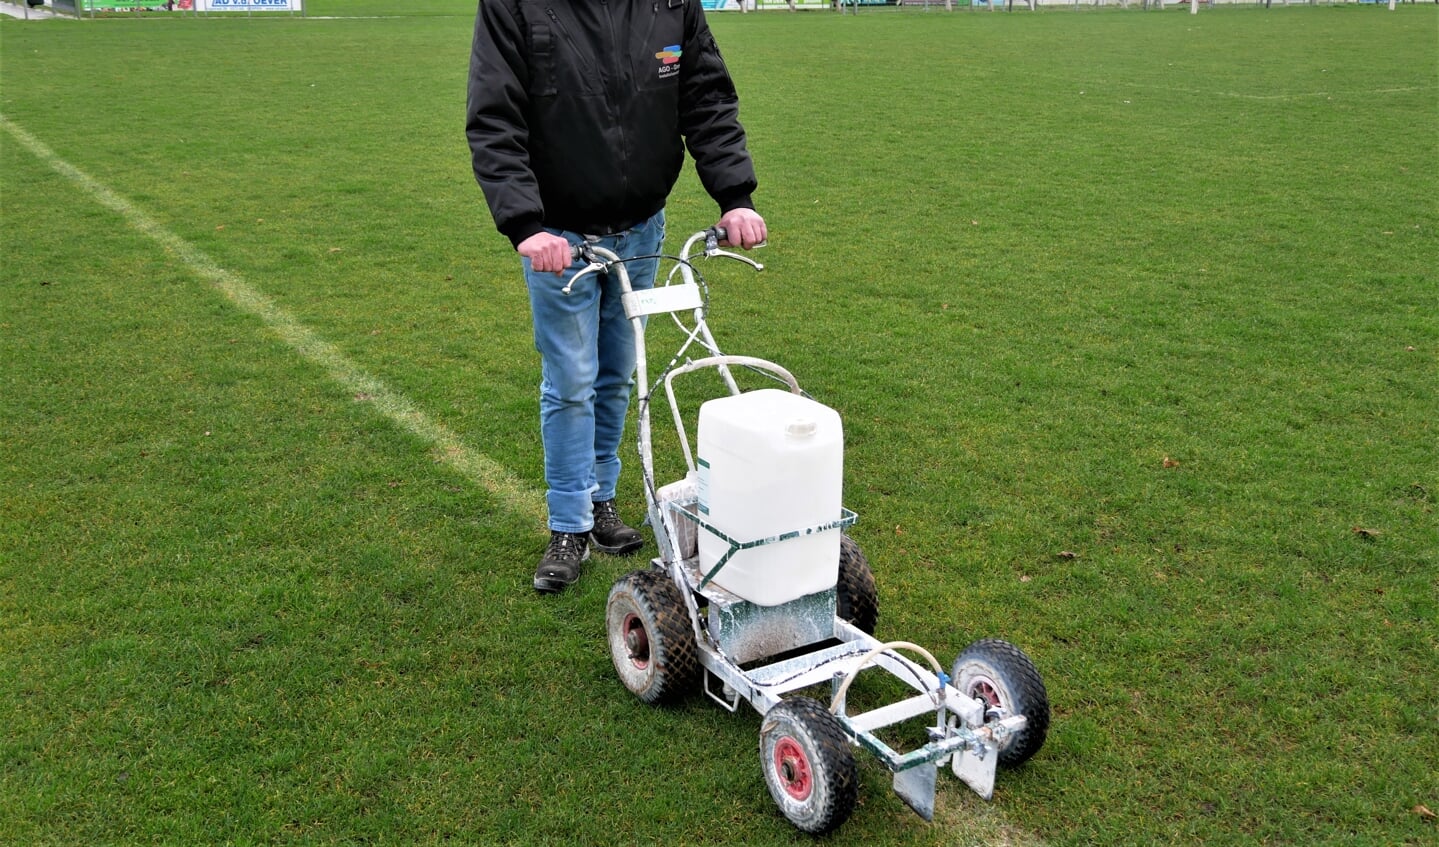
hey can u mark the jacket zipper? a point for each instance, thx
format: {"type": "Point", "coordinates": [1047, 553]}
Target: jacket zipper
{"type": "Point", "coordinates": [619, 81]}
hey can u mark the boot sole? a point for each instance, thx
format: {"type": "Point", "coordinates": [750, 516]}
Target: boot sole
{"type": "Point", "coordinates": [552, 585]}
{"type": "Point", "coordinates": [622, 550]}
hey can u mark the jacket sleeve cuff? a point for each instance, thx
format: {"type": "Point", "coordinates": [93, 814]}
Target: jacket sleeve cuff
{"type": "Point", "coordinates": [520, 230]}
{"type": "Point", "coordinates": [735, 201]}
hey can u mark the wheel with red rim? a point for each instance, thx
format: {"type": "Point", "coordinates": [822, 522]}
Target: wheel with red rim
{"type": "Point", "coordinates": [1002, 676]}
{"type": "Point", "coordinates": [651, 641]}
{"type": "Point", "coordinates": [808, 764]}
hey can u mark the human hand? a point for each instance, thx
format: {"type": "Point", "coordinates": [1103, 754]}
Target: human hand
{"type": "Point", "coordinates": [744, 228]}
{"type": "Point", "coordinates": [547, 252]}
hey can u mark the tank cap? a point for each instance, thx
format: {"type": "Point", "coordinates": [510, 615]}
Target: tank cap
{"type": "Point", "coordinates": [801, 428]}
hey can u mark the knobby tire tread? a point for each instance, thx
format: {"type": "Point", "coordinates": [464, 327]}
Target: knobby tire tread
{"type": "Point", "coordinates": [1025, 683]}
{"type": "Point", "coordinates": [673, 639]}
{"type": "Point", "coordinates": [835, 761]}
{"type": "Point", "coordinates": [857, 597]}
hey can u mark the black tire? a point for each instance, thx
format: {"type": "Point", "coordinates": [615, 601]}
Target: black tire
{"type": "Point", "coordinates": [1003, 677]}
{"type": "Point", "coordinates": [651, 640]}
{"type": "Point", "coordinates": [808, 765]}
{"type": "Point", "coordinates": [856, 597]}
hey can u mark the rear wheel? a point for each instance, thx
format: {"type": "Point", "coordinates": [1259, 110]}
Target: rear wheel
{"type": "Point", "coordinates": [651, 641]}
{"type": "Point", "coordinates": [856, 597]}
{"type": "Point", "coordinates": [1002, 676]}
{"type": "Point", "coordinates": [809, 767]}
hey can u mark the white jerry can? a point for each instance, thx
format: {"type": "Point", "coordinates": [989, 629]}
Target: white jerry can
{"type": "Point", "coordinates": [770, 462]}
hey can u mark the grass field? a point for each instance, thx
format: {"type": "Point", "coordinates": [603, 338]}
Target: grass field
{"type": "Point", "coordinates": [1133, 319]}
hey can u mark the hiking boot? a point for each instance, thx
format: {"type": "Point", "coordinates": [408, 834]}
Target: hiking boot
{"type": "Point", "coordinates": [561, 563]}
{"type": "Point", "coordinates": [610, 533]}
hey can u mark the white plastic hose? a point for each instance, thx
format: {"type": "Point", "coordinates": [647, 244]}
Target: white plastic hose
{"type": "Point", "coordinates": [834, 705]}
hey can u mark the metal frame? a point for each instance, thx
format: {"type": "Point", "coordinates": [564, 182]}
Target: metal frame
{"type": "Point", "coordinates": [737, 640]}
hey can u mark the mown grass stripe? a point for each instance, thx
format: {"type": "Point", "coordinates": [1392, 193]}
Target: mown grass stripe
{"type": "Point", "coordinates": [513, 493]}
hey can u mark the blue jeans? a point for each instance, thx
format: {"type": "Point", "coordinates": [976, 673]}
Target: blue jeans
{"type": "Point", "coordinates": [587, 368]}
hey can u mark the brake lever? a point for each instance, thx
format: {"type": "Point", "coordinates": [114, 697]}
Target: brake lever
{"type": "Point", "coordinates": [718, 252]}
{"type": "Point", "coordinates": [714, 235]}
{"type": "Point", "coordinates": [577, 252]}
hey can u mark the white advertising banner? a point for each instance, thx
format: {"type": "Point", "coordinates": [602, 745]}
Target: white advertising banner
{"type": "Point", "coordinates": [249, 5]}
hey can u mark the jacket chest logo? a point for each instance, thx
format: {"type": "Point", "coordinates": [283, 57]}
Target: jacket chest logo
{"type": "Point", "coordinates": [669, 61]}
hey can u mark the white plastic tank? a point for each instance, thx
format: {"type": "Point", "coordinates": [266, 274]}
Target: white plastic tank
{"type": "Point", "coordinates": [770, 462]}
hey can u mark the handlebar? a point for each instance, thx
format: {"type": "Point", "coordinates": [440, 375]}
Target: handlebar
{"type": "Point", "coordinates": [712, 238]}
{"type": "Point", "coordinates": [599, 258]}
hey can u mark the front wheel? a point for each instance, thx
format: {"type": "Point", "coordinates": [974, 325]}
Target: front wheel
{"type": "Point", "coordinates": [1002, 676]}
{"type": "Point", "coordinates": [808, 765]}
{"type": "Point", "coordinates": [651, 641]}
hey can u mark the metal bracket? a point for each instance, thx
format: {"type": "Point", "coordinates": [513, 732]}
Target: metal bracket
{"type": "Point", "coordinates": [916, 788]}
{"type": "Point", "coordinates": [975, 764]}
{"type": "Point", "coordinates": [975, 768]}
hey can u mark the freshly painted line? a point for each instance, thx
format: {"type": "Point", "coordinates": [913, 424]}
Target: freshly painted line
{"type": "Point", "coordinates": [516, 496]}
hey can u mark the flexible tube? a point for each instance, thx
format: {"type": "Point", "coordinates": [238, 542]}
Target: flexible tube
{"type": "Point", "coordinates": [871, 655]}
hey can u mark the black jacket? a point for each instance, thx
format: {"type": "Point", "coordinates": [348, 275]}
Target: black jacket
{"type": "Point", "coordinates": [579, 112]}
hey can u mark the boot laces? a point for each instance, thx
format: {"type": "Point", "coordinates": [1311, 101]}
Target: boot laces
{"type": "Point", "coordinates": [565, 547]}
{"type": "Point", "coordinates": [606, 515]}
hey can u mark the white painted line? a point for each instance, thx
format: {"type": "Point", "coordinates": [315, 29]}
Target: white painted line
{"type": "Point", "coordinates": [448, 448]}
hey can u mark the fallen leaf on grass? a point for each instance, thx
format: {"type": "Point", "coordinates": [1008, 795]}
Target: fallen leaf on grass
{"type": "Point", "coordinates": [1025, 577]}
{"type": "Point", "coordinates": [336, 249]}
{"type": "Point", "coordinates": [363, 396]}
{"type": "Point", "coordinates": [1425, 812]}
{"type": "Point", "coordinates": [1366, 532]}
{"type": "Point", "coordinates": [897, 530]}
{"type": "Point", "coordinates": [220, 227]}
{"type": "Point", "coordinates": [1171, 463]}
{"type": "Point", "coordinates": [1068, 554]}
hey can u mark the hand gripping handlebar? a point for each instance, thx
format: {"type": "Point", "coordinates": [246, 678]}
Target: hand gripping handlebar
{"type": "Point", "coordinates": [599, 259]}
{"type": "Point", "coordinates": [712, 237]}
